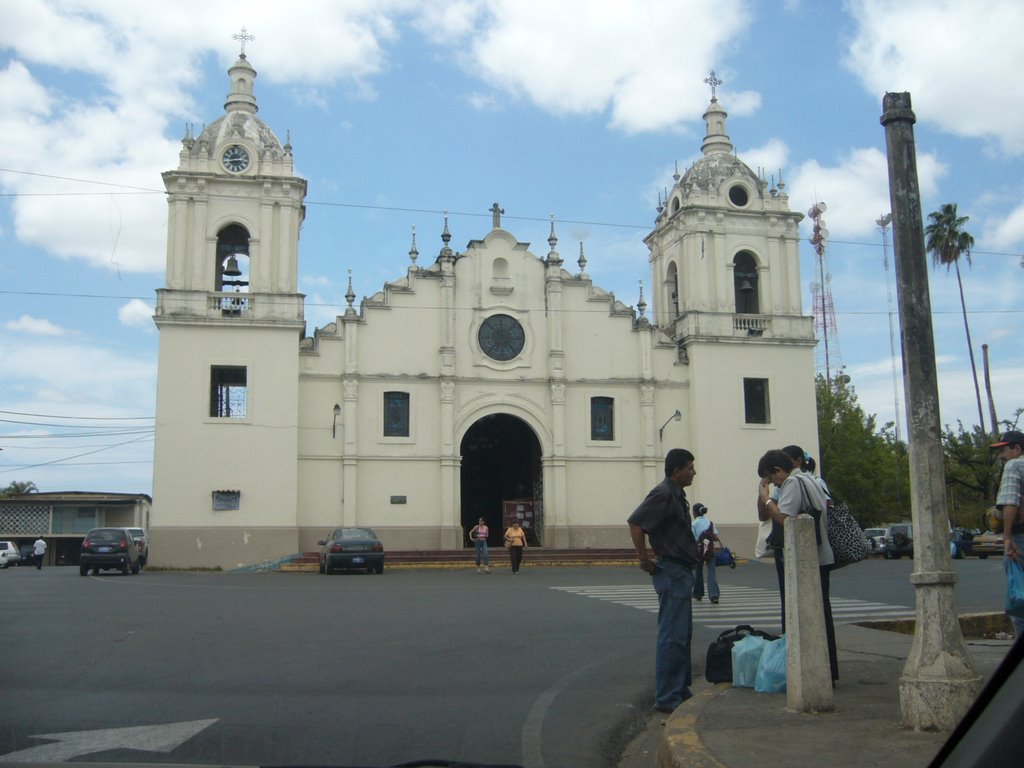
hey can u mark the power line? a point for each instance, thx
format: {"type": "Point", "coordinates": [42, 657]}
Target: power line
{"type": "Point", "coordinates": [67, 458]}
{"type": "Point", "coordinates": [80, 418]}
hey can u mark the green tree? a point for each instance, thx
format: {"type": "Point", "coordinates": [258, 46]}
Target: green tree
{"type": "Point", "coordinates": [947, 241]}
{"type": "Point", "coordinates": [18, 487]}
{"type": "Point", "coordinates": [864, 464]}
{"type": "Point", "coordinates": [971, 473]}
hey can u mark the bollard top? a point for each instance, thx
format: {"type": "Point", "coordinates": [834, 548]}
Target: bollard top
{"type": "Point", "coordinates": [896, 107]}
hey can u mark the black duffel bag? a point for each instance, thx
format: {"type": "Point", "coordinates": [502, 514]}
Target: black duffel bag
{"type": "Point", "coordinates": [718, 667]}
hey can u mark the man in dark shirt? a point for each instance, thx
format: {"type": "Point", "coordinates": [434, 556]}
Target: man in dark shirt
{"type": "Point", "coordinates": [664, 518]}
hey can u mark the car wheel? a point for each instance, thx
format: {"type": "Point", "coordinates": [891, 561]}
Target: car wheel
{"type": "Point", "coordinates": [83, 571]}
{"type": "Point", "coordinates": [136, 568]}
{"type": "Point", "coordinates": [327, 569]}
{"type": "Point", "coordinates": [124, 568]}
{"type": "Point", "coordinates": [983, 557]}
{"type": "Point", "coordinates": [380, 569]}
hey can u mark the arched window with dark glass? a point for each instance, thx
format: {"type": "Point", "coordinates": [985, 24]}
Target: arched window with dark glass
{"type": "Point", "coordinates": [745, 283]}
{"type": "Point", "coordinates": [233, 259]}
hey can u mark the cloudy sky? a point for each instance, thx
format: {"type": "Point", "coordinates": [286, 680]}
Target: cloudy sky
{"type": "Point", "coordinates": [399, 110]}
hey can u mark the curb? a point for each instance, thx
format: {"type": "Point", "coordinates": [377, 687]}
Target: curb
{"type": "Point", "coordinates": [681, 745]}
{"type": "Point", "coordinates": [971, 624]}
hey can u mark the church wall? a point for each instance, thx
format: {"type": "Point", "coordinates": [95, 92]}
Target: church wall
{"type": "Point", "coordinates": [727, 449]}
{"type": "Point", "coordinates": [196, 454]}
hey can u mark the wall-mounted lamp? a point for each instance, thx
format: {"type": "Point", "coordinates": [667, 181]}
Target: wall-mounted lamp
{"type": "Point", "coordinates": [334, 426]}
{"type": "Point", "coordinates": [677, 416]}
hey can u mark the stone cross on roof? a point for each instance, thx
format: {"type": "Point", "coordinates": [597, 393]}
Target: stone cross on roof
{"type": "Point", "coordinates": [242, 37]}
{"type": "Point", "coordinates": [496, 212]}
{"type": "Point", "coordinates": [714, 82]}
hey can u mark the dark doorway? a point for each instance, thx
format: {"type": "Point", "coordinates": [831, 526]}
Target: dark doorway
{"type": "Point", "coordinates": [500, 462]}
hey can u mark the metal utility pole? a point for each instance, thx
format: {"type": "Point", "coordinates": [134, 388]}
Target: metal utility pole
{"type": "Point", "coordinates": [939, 682]}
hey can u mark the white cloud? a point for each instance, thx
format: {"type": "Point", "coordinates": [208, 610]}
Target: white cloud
{"type": "Point", "coordinates": [35, 326]}
{"type": "Point", "coordinates": [136, 313]}
{"type": "Point", "coordinates": [857, 189]}
{"type": "Point", "coordinates": [959, 59]}
{"type": "Point", "coordinates": [771, 156]}
{"type": "Point", "coordinates": [524, 47]}
{"type": "Point", "coordinates": [108, 116]}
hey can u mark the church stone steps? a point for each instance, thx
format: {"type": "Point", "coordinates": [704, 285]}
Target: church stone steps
{"type": "Point", "coordinates": [466, 558]}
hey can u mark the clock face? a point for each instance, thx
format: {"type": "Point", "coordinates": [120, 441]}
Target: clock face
{"type": "Point", "coordinates": [501, 337]}
{"type": "Point", "coordinates": [236, 158]}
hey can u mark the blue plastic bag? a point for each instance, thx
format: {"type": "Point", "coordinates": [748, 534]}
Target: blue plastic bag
{"type": "Point", "coordinates": [1014, 587]}
{"type": "Point", "coordinates": [746, 653]}
{"type": "Point", "coordinates": [771, 669]}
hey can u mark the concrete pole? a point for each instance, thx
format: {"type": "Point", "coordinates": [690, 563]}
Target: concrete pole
{"type": "Point", "coordinates": [939, 682]}
{"type": "Point", "coordinates": [808, 674]}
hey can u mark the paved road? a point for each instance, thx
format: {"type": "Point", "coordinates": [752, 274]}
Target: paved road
{"type": "Point", "coordinates": [542, 669]}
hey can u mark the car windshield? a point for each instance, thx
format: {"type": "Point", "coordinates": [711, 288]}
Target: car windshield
{"type": "Point", "coordinates": [354, 533]}
{"type": "Point", "coordinates": [105, 537]}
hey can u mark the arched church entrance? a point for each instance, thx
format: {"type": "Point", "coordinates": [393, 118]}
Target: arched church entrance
{"type": "Point", "coordinates": [501, 476]}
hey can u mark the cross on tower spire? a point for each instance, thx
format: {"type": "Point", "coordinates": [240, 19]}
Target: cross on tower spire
{"type": "Point", "coordinates": [714, 82]}
{"type": "Point", "coordinates": [242, 37]}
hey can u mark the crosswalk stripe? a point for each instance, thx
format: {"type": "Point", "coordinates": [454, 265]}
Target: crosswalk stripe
{"type": "Point", "coordinates": [740, 605]}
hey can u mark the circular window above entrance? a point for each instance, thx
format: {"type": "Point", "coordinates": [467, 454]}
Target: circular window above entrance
{"type": "Point", "coordinates": [501, 337]}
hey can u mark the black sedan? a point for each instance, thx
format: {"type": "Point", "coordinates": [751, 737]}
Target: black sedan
{"type": "Point", "coordinates": [351, 549]}
{"type": "Point", "coordinates": [109, 549]}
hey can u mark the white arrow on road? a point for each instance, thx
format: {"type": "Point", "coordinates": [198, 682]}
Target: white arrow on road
{"type": "Point", "coordinates": [148, 738]}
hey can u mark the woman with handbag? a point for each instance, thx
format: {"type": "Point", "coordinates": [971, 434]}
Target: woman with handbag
{"type": "Point", "coordinates": [515, 542]}
{"type": "Point", "coordinates": [800, 493]}
{"type": "Point", "coordinates": [707, 537]}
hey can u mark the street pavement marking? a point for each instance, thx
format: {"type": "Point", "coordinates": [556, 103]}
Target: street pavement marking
{"type": "Point", "coordinates": [739, 605]}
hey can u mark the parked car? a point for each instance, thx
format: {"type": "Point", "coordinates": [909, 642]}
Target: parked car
{"type": "Point", "coordinates": [9, 554]}
{"type": "Point", "coordinates": [876, 538]}
{"type": "Point", "coordinates": [109, 549]}
{"type": "Point", "coordinates": [351, 548]}
{"type": "Point", "coordinates": [988, 543]}
{"type": "Point", "coordinates": [899, 541]}
{"type": "Point", "coordinates": [141, 537]}
{"type": "Point", "coordinates": [26, 554]}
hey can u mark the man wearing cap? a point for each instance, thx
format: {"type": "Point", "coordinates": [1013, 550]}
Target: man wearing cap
{"type": "Point", "coordinates": [1011, 453]}
{"type": "Point", "coordinates": [664, 518]}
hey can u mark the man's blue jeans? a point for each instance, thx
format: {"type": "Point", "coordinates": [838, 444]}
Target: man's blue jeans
{"type": "Point", "coordinates": [481, 552]}
{"type": "Point", "coordinates": [672, 664]}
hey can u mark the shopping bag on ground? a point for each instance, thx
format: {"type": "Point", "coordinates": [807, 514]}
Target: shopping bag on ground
{"type": "Point", "coordinates": [718, 664]}
{"type": "Point", "coordinates": [771, 668]}
{"type": "Point", "coordinates": [1014, 587]}
{"type": "Point", "coordinates": [746, 654]}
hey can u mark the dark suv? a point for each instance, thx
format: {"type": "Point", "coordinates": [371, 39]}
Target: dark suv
{"type": "Point", "coordinates": [899, 541]}
{"type": "Point", "coordinates": [109, 549]}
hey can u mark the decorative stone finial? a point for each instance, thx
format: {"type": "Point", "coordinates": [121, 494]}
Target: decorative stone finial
{"type": "Point", "coordinates": [413, 252]}
{"type": "Point", "coordinates": [582, 261]}
{"type": "Point", "coordinates": [641, 304]}
{"type": "Point", "coordinates": [350, 295]}
{"type": "Point", "coordinates": [553, 257]}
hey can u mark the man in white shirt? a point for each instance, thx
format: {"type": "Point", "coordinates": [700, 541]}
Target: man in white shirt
{"type": "Point", "coordinates": [38, 551]}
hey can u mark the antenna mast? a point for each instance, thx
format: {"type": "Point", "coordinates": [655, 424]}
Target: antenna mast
{"type": "Point", "coordinates": [821, 292]}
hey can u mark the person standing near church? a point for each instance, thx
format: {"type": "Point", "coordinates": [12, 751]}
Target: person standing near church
{"type": "Point", "coordinates": [515, 541]}
{"type": "Point", "coordinates": [707, 537]}
{"type": "Point", "coordinates": [38, 552]}
{"type": "Point", "coordinates": [663, 518]}
{"type": "Point", "coordinates": [1008, 501]}
{"type": "Point", "coordinates": [478, 534]}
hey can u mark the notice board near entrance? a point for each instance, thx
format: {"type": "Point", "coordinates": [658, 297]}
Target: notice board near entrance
{"type": "Point", "coordinates": [521, 510]}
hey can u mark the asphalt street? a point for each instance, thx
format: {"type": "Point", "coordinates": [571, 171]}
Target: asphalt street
{"type": "Point", "coordinates": [552, 667]}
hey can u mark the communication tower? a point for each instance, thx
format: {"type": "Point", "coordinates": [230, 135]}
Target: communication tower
{"type": "Point", "coordinates": [821, 297]}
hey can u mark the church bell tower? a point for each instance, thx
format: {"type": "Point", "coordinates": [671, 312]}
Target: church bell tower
{"type": "Point", "coordinates": [230, 319]}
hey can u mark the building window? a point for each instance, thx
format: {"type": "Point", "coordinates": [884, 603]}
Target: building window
{"type": "Point", "coordinates": [396, 414]}
{"type": "Point", "coordinates": [602, 421]}
{"type": "Point", "coordinates": [228, 392]}
{"type": "Point", "coordinates": [755, 401]}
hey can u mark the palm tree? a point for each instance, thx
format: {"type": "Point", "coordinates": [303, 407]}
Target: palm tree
{"type": "Point", "coordinates": [18, 487]}
{"type": "Point", "coordinates": [947, 241]}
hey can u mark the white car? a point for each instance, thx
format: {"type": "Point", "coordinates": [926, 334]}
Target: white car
{"type": "Point", "coordinates": [9, 554]}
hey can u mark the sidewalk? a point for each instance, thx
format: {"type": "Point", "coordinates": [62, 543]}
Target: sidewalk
{"type": "Point", "coordinates": [736, 727]}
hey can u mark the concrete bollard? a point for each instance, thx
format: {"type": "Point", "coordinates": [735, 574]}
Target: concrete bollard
{"type": "Point", "coordinates": [808, 675]}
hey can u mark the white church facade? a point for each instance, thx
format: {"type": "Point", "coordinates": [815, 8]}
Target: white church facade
{"type": "Point", "coordinates": [487, 381]}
